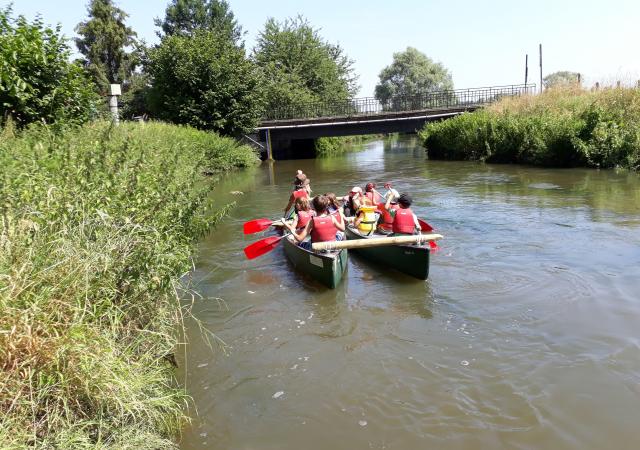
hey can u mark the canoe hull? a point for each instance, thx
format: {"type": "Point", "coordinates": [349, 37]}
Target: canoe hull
{"type": "Point", "coordinates": [409, 259]}
{"type": "Point", "coordinates": [327, 268]}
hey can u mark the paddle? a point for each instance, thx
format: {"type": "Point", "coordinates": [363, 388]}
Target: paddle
{"type": "Point", "coordinates": [262, 246]}
{"type": "Point", "coordinates": [424, 226]}
{"type": "Point", "coordinates": [254, 226]}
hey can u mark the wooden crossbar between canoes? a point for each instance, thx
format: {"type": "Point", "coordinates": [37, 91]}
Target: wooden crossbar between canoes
{"type": "Point", "coordinates": [376, 242]}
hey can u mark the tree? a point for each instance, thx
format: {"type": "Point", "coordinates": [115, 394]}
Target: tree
{"type": "Point", "coordinates": [205, 81]}
{"type": "Point", "coordinates": [300, 67]}
{"type": "Point", "coordinates": [411, 73]}
{"type": "Point", "coordinates": [185, 17]}
{"type": "Point", "coordinates": [37, 81]}
{"type": "Point", "coordinates": [561, 78]}
{"type": "Point", "coordinates": [104, 40]}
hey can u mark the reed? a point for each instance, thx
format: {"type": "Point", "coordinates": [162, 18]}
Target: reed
{"type": "Point", "coordinates": [97, 225]}
{"type": "Point", "coordinates": [563, 127]}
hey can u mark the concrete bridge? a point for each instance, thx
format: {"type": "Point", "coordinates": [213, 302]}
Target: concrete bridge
{"type": "Point", "coordinates": [292, 131]}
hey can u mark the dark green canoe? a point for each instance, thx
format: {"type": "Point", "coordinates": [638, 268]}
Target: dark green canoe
{"type": "Point", "coordinates": [410, 259]}
{"type": "Point", "coordinates": [327, 267]}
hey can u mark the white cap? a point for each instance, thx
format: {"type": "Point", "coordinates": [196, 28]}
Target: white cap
{"type": "Point", "coordinates": [356, 189]}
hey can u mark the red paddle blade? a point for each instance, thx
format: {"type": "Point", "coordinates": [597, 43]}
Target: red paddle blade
{"type": "Point", "coordinates": [253, 226]}
{"type": "Point", "coordinates": [433, 246]}
{"type": "Point", "coordinates": [424, 226]}
{"type": "Point", "coordinates": [261, 247]}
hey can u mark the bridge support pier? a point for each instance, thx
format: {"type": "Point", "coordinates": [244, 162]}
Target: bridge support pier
{"type": "Point", "coordinates": [269, 148]}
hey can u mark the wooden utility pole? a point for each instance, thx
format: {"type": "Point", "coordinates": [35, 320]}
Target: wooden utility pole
{"type": "Point", "coordinates": [540, 67]}
{"type": "Point", "coordinates": [526, 70]}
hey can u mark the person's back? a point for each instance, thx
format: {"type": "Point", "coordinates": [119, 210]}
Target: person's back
{"type": "Point", "coordinates": [404, 220]}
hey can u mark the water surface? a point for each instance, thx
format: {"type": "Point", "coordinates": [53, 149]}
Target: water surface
{"type": "Point", "coordinates": [526, 335]}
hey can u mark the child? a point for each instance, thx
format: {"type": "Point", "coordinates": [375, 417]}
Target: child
{"type": "Point", "coordinates": [303, 213]}
{"type": "Point", "coordinates": [404, 220]}
{"type": "Point", "coordinates": [322, 228]}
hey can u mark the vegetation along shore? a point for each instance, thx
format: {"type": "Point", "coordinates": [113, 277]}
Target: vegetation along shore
{"type": "Point", "coordinates": [97, 225]}
{"type": "Point", "coordinates": [562, 127]}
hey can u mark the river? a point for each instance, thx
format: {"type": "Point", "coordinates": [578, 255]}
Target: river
{"type": "Point", "coordinates": [526, 334]}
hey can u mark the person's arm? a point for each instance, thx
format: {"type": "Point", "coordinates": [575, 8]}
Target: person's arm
{"type": "Point", "coordinates": [387, 205]}
{"type": "Point", "coordinates": [303, 234]}
{"type": "Point", "coordinates": [294, 224]}
{"type": "Point", "coordinates": [416, 223]}
{"type": "Point", "coordinates": [291, 200]}
{"type": "Point", "coordinates": [339, 225]}
{"type": "Point", "coordinates": [379, 196]}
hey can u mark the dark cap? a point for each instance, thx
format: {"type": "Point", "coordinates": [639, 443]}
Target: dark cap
{"type": "Point", "coordinates": [405, 200]}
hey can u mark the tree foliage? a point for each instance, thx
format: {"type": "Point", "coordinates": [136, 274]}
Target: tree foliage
{"type": "Point", "coordinates": [411, 73]}
{"type": "Point", "coordinates": [104, 40]}
{"type": "Point", "coordinates": [205, 81]}
{"type": "Point", "coordinates": [561, 78]}
{"type": "Point", "coordinates": [37, 81]}
{"type": "Point", "coordinates": [185, 17]}
{"type": "Point", "coordinates": [300, 66]}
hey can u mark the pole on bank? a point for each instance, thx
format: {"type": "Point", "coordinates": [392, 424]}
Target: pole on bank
{"type": "Point", "coordinates": [114, 93]}
{"type": "Point", "coordinates": [540, 67]}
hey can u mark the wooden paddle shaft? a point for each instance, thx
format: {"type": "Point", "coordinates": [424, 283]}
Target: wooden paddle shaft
{"type": "Point", "coordinates": [376, 242]}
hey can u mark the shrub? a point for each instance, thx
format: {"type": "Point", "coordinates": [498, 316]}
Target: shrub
{"type": "Point", "coordinates": [37, 81]}
{"type": "Point", "coordinates": [566, 127]}
{"type": "Point", "coordinates": [96, 227]}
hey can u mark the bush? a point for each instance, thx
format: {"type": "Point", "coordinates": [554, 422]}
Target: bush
{"type": "Point", "coordinates": [562, 127]}
{"type": "Point", "coordinates": [37, 81]}
{"type": "Point", "coordinates": [204, 81]}
{"type": "Point", "coordinates": [96, 227]}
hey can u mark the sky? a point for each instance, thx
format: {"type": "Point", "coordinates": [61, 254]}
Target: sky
{"type": "Point", "coordinates": [482, 43]}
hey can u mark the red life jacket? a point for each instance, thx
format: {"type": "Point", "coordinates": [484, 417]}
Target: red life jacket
{"type": "Point", "coordinates": [303, 219]}
{"type": "Point", "coordinates": [337, 215]}
{"type": "Point", "coordinates": [300, 193]}
{"type": "Point", "coordinates": [387, 218]}
{"type": "Point", "coordinates": [323, 229]}
{"type": "Point", "coordinates": [403, 221]}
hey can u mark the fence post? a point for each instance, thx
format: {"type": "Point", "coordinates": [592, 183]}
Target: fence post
{"type": "Point", "coordinates": [114, 93]}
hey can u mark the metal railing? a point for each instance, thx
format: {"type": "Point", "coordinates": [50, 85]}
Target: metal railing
{"type": "Point", "coordinates": [368, 106]}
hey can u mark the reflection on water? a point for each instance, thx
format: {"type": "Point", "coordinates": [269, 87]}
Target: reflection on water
{"type": "Point", "coordinates": [524, 336]}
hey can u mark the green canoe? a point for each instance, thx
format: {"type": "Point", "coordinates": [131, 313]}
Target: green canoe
{"type": "Point", "coordinates": [410, 259]}
{"type": "Point", "coordinates": [327, 267]}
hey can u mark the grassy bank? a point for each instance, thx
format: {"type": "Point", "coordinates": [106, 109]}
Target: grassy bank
{"type": "Point", "coordinates": [561, 128]}
{"type": "Point", "coordinates": [96, 226]}
{"type": "Point", "coordinates": [332, 146]}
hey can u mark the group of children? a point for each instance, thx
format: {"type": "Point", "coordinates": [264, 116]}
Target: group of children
{"type": "Point", "coordinates": [324, 218]}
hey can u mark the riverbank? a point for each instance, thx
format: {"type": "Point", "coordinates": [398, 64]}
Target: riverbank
{"type": "Point", "coordinates": [333, 146]}
{"type": "Point", "coordinates": [97, 226]}
{"type": "Point", "coordinates": [559, 128]}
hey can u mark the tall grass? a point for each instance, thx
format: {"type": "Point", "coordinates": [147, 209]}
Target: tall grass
{"type": "Point", "coordinates": [96, 226]}
{"type": "Point", "coordinates": [563, 127]}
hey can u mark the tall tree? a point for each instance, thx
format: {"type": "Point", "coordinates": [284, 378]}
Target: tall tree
{"type": "Point", "coordinates": [205, 81]}
{"type": "Point", "coordinates": [185, 17]}
{"type": "Point", "coordinates": [37, 81]}
{"type": "Point", "coordinates": [106, 42]}
{"type": "Point", "coordinates": [300, 66]}
{"type": "Point", "coordinates": [411, 73]}
{"type": "Point", "coordinates": [561, 78]}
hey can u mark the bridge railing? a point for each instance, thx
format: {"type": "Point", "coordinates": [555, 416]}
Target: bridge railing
{"type": "Point", "coordinates": [368, 106]}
